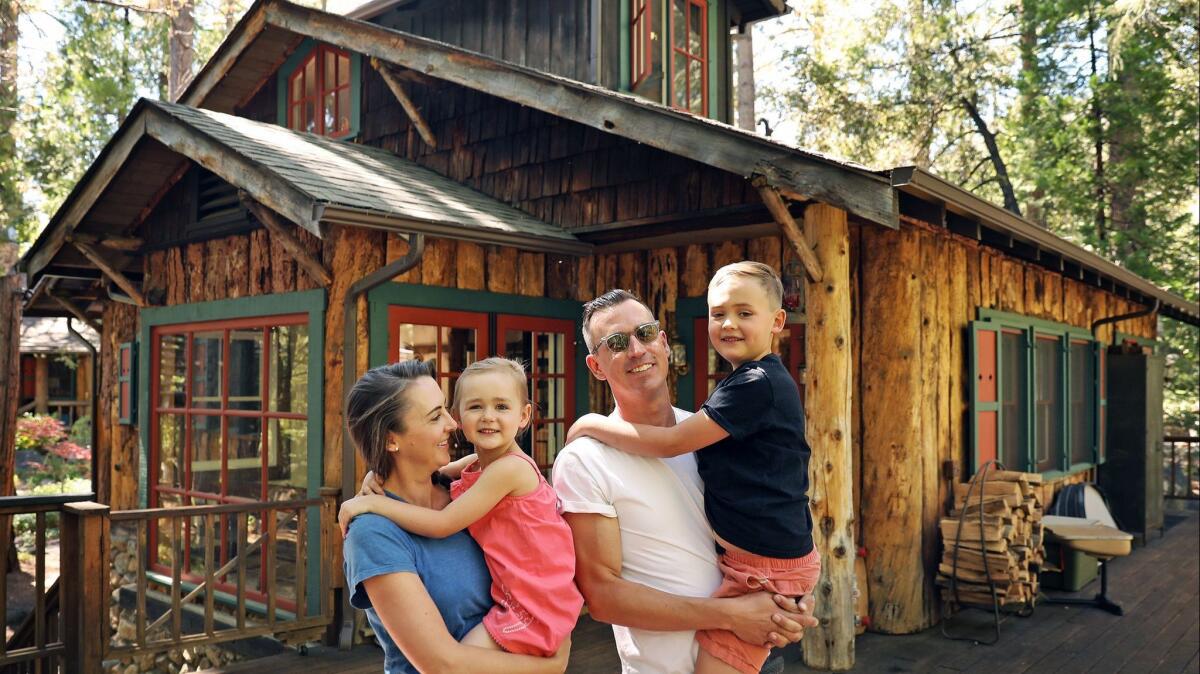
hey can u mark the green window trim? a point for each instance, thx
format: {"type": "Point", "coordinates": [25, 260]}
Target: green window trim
{"type": "Point", "coordinates": [313, 303]}
{"type": "Point", "coordinates": [479, 301]}
{"type": "Point", "coordinates": [127, 383]}
{"type": "Point", "coordinates": [281, 86]}
{"type": "Point", "coordinates": [1032, 329]}
{"type": "Point", "coordinates": [1145, 342]}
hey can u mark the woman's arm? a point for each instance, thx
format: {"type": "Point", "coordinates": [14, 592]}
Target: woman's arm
{"type": "Point", "coordinates": [663, 442]}
{"type": "Point", "coordinates": [503, 477]}
{"type": "Point", "coordinates": [412, 620]}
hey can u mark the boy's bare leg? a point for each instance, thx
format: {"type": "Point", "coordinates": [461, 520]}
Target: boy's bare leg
{"type": "Point", "coordinates": [706, 663]}
{"type": "Point", "coordinates": [480, 638]}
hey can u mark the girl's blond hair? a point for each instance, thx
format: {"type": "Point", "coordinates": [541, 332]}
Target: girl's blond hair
{"type": "Point", "coordinates": [507, 366]}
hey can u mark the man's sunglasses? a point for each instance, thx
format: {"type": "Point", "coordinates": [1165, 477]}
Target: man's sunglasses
{"type": "Point", "coordinates": [619, 341]}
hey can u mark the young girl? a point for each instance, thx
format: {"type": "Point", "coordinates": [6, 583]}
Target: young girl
{"type": "Point", "coordinates": [510, 511]}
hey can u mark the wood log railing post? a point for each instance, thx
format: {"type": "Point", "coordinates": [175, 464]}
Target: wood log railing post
{"type": "Point", "coordinates": [827, 396]}
{"type": "Point", "coordinates": [84, 585]}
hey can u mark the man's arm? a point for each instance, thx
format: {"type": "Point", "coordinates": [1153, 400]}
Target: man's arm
{"type": "Point", "coordinates": [755, 618]}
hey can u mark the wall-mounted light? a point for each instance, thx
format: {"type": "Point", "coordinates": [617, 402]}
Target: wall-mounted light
{"type": "Point", "coordinates": [793, 290]}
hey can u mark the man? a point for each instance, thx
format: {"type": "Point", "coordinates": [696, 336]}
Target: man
{"type": "Point", "coordinates": [645, 557]}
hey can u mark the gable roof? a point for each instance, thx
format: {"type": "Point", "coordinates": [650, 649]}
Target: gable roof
{"type": "Point", "coordinates": [49, 334]}
{"type": "Point", "coordinates": [304, 177]}
{"type": "Point", "coordinates": [260, 42]}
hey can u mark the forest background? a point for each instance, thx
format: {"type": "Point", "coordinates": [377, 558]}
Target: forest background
{"type": "Point", "coordinates": [1080, 115]}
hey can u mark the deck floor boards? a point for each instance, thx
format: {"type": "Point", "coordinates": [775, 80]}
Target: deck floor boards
{"type": "Point", "coordinates": [1160, 632]}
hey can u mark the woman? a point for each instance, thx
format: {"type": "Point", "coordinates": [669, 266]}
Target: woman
{"type": "Point", "coordinates": [421, 594]}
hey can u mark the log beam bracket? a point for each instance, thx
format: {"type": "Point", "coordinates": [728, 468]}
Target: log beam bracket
{"type": "Point", "coordinates": [128, 244]}
{"type": "Point", "coordinates": [75, 311]}
{"type": "Point", "coordinates": [279, 230]}
{"type": "Point", "coordinates": [773, 200]}
{"type": "Point", "coordinates": [410, 108]}
{"type": "Point", "coordinates": [109, 270]}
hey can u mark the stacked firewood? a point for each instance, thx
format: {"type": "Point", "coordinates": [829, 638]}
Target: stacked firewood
{"type": "Point", "coordinates": [1007, 548]}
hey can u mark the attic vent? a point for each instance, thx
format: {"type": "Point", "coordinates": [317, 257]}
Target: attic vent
{"type": "Point", "coordinates": [217, 203]}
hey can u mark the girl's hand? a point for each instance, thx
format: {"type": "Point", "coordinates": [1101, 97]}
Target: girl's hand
{"type": "Point", "coordinates": [584, 425]}
{"type": "Point", "coordinates": [353, 508]}
{"type": "Point", "coordinates": [370, 485]}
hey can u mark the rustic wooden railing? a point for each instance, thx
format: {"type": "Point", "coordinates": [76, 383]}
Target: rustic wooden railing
{"type": "Point", "coordinates": [79, 637]}
{"type": "Point", "coordinates": [40, 642]}
{"type": "Point", "coordinates": [1182, 476]}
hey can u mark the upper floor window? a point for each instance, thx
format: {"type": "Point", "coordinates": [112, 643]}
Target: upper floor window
{"type": "Point", "coordinates": [641, 30]}
{"type": "Point", "coordinates": [689, 55]}
{"type": "Point", "coordinates": [319, 91]}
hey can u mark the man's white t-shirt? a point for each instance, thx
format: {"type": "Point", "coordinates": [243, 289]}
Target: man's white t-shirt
{"type": "Point", "coordinates": [666, 542]}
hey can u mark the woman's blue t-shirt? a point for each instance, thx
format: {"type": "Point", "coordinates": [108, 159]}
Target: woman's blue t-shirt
{"type": "Point", "coordinates": [451, 568]}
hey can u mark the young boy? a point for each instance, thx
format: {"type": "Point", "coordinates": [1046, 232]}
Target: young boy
{"type": "Point", "coordinates": [751, 454]}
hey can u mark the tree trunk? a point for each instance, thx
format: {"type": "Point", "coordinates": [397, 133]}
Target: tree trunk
{"type": "Point", "coordinates": [827, 394]}
{"type": "Point", "coordinates": [11, 288]}
{"type": "Point", "coordinates": [10, 193]}
{"type": "Point", "coordinates": [743, 44]}
{"type": "Point", "coordinates": [1029, 84]}
{"type": "Point", "coordinates": [1097, 133]}
{"type": "Point", "coordinates": [989, 139]}
{"type": "Point", "coordinates": [181, 41]}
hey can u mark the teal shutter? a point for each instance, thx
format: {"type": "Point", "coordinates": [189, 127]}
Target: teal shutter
{"type": "Point", "coordinates": [126, 386]}
{"type": "Point", "coordinates": [985, 393]}
{"type": "Point", "coordinates": [1099, 377]}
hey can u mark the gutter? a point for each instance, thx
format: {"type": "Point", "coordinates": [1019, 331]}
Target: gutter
{"type": "Point", "coordinates": [416, 247]}
{"type": "Point", "coordinates": [1121, 317]}
{"type": "Point", "coordinates": [923, 184]}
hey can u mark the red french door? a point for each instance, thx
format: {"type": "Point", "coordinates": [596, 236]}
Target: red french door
{"type": "Point", "coordinates": [711, 368]}
{"type": "Point", "coordinates": [455, 339]}
{"type": "Point", "coordinates": [547, 347]}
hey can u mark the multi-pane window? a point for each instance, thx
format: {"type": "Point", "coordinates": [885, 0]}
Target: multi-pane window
{"type": "Point", "coordinates": [229, 423]}
{"type": "Point", "coordinates": [1038, 398]}
{"type": "Point", "coordinates": [689, 55]}
{"type": "Point", "coordinates": [711, 368]}
{"type": "Point", "coordinates": [1013, 399]}
{"type": "Point", "coordinates": [319, 93]}
{"type": "Point", "coordinates": [455, 339]}
{"type": "Point", "coordinates": [641, 28]}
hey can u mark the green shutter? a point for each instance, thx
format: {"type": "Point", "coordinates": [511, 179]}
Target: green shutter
{"type": "Point", "coordinates": [1099, 377]}
{"type": "Point", "coordinates": [126, 386]}
{"type": "Point", "coordinates": [1064, 393]}
{"type": "Point", "coordinates": [985, 393]}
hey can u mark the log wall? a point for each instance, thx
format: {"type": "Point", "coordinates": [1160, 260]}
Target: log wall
{"type": "Point", "coordinates": [919, 289]}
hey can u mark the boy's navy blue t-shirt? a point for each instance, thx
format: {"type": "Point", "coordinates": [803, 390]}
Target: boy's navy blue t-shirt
{"type": "Point", "coordinates": [756, 480]}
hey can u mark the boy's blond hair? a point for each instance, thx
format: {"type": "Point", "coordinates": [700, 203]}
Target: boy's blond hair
{"type": "Point", "coordinates": [766, 276]}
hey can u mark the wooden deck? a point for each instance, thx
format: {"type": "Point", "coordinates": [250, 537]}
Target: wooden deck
{"type": "Point", "coordinates": [1158, 585]}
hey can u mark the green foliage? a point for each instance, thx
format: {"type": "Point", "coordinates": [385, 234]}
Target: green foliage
{"type": "Point", "coordinates": [81, 431]}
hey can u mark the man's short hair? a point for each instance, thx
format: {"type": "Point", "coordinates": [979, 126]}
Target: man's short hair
{"type": "Point", "coordinates": [766, 276]}
{"type": "Point", "coordinates": [607, 300]}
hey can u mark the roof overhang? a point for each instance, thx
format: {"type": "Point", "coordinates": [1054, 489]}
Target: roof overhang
{"type": "Point", "coordinates": [929, 187]}
{"type": "Point", "coordinates": [801, 174]}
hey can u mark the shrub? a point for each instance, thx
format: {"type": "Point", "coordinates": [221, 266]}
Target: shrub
{"type": "Point", "coordinates": [39, 432]}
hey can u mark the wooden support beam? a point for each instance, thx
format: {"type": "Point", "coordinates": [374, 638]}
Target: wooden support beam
{"type": "Point", "coordinates": [827, 395]}
{"type": "Point", "coordinates": [74, 311]}
{"type": "Point", "coordinates": [410, 108]}
{"type": "Point", "coordinates": [279, 230]}
{"type": "Point", "coordinates": [110, 271]}
{"type": "Point", "coordinates": [774, 202]}
{"type": "Point", "coordinates": [129, 244]}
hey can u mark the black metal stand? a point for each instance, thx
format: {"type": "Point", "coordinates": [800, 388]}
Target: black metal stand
{"type": "Point", "coordinates": [1100, 601]}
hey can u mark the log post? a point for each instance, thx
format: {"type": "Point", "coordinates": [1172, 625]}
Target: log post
{"type": "Point", "coordinates": [827, 414]}
{"type": "Point", "coordinates": [84, 585]}
{"type": "Point", "coordinates": [41, 384]}
{"type": "Point", "coordinates": [11, 288]}
{"type": "Point", "coordinates": [893, 482]}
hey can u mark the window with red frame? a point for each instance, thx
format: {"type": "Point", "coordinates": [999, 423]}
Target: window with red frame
{"type": "Point", "coordinates": [689, 55]}
{"type": "Point", "coordinates": [455, 339]}
{"type": "Point", "coordinates": [229, 424]}
{"type": "Point", "coordinates": [318, 93]}
{"type": "Point", "coordinates": [711, 368]}
{"type": "Point", "coordinates": [641, 27]}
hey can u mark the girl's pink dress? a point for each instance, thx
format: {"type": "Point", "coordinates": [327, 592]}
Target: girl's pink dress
{"type": "Point", "coordinates": [531, 556]}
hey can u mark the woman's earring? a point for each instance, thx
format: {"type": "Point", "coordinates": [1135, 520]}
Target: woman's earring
{"type": "Point", "coordinates": [392, 448]}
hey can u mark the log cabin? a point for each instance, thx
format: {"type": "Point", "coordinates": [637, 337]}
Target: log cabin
{"type": "Point", "coordinates": [449, 181]}
{"type": "Point", "coordinates": [57, 360]}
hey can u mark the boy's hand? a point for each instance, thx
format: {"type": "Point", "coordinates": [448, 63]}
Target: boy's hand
{"type": "Point", "coordinates": [584, 425]}
{"type": "Point", "coordinates": [353, 508]}
{"type": "Point", "coordinates": [370, 485]}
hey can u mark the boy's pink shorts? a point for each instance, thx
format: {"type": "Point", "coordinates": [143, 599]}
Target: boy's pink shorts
{"type": "Point", "coordinates": [745, 573]}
